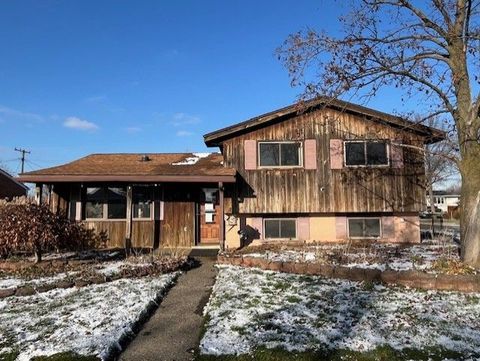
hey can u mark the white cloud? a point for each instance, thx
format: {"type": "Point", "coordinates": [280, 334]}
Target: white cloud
{"type": "Point", "coordinates": [7, 114]}
{"type": "Point", "coordinates": [79, 124]}
{"type": "Point", "coordinates": [132, 130]}
{"type": "Point", "coordinates": [184, 133]}
{"type": "Point", "coordinates": [181, 119]}
{"type": "Point", "coordinates": [96, 99]}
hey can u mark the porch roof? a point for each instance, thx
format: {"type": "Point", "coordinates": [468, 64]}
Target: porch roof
{"type": "Point", "coordinates": [146, 167]}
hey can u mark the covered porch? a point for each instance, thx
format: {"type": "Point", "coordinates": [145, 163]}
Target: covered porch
{"type": "Point", "coordinates": [181, 208]}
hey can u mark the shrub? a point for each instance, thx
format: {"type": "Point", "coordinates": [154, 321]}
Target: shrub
{"type": "Point", "coordinates": [32, 228]}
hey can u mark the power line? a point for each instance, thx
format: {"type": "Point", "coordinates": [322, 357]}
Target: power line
{"type": "Point", "coordinates": [23, 151]}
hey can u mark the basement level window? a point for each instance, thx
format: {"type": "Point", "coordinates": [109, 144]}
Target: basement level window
{"type": "Point", "coordinates": [366, 153]}
{"type": "Point", "coordinates": [364, 228]}
{"type": "Point", "coordinates": [279, 154]}
{"type": "Point", "coordinates": [280, 228]}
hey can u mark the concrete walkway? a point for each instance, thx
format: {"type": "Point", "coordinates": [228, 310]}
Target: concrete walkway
{"type": "Point", "coordinates": [173, 332]}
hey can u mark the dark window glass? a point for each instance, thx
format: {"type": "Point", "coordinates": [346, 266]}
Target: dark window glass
{"type": "Point", "coordinates": [272, 228]}
{"type": "Point", "coordinates": [355, 153]}
{"type": "Point", "coordinates": [269, 154]}
{"type": "Point", "coordinates": [364, 228]}
{"type": "Point", "coordinates": [377, 153]}
{"type": "Point", "coordinates": [280, 228]}
{"type": "Point", "coordinates": [355, 227]}
{"type": "Point", "coordinates": [290, 154]}
{"type": "Point", "coordinates": [94, 202]}
{"type": "Point", "coordinates": [288, 228]}
{"type": "Point", "coordinates": [372, 227]}
{"type": "Point", "coordinates": [142, 200]}
{"type": "Point", "coordinates": [117, 203]}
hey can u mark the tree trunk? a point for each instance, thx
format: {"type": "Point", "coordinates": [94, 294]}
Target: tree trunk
{"type": "Point", "coordinates": [470, 206]}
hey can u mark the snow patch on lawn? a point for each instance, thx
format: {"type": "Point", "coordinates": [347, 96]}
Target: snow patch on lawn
{"type": "Point", "coordinates": [251, 308]}
{"type": "Point", "coordinates": [89, 320]}
{"type": "Point", "coordinates": [15, 281]}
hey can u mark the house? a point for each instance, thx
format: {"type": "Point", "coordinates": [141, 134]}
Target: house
{"type": "Point", "coordinates": [324, 171]}
{"type": "Point", "coordinates": [446, 203]}
{"type": "Point", "coordinates": [10, 187]}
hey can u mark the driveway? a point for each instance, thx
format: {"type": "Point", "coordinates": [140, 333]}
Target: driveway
{"type": "Point", "coordinates": [173, 332]}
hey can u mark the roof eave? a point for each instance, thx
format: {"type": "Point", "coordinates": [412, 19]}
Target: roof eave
{"type": "Point", "coordinates": [49, 178]}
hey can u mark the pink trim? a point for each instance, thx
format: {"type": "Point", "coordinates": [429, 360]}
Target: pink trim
{"type": "Point", "coordinates": [250, 148]}
{"type": "Point", "coordinates": [341, 227]}
{"type": "Point", "coordinates": [388, 227]}
{"type": "Point", "coordinates": [257, 223]}
{"type": "Point", "coordinates": [336, 153]}
{"type": "Point", "coordinates": [396, 154]}
{"type": "Point", "coordinates": [303, 228]}
{"type": "Point", "coordinates": [310, 153]}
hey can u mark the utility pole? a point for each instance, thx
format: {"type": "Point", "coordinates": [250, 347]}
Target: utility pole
{"type": "Point", "coordinates": [23, 151]}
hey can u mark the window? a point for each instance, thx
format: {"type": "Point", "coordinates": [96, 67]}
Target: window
{"type": "Point", "coordinates": [364, 227]}
{"type": "Point", "coordinates": [280, 154]}
{"type": "Point", "coordinates": [280, 228]}
{"type": "Point", "coordinates": [142, 201]}
{"type": "Point", "coordinates": [94, 202]}
{"type": "Point", "coordinates": [117, 203]}
{"type": "Point", "coordinates": [366, 153]}
{"type": "Point", "coordinates": [104, 203]}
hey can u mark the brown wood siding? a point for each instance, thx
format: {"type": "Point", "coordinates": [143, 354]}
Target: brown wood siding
{"type": "Point", "coordinates": [325, 190]}
{"type": "Point", "coordinates": [177, 227]}
{"type": "Point", "coordinates": [115, 231]}
{"type": "Point", "coordinates": [143, 233]}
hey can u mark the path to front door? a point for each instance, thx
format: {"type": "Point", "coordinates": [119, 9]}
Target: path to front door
{"type": "Point", "coordinates": [173, 332]}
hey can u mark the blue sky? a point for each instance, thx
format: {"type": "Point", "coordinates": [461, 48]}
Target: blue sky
{"type": "Point", "coordinates": [80, 77]}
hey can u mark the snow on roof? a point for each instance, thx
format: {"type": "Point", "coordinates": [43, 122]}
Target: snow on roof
{"type": "Point", "coordinates": [192, 160]}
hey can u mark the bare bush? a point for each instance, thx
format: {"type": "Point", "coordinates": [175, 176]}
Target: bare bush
{"type": "Point", "coordinates": [32, 228]}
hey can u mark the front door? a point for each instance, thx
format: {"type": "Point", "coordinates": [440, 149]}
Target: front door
{"type": "Point", "coordinates": [209, 217]}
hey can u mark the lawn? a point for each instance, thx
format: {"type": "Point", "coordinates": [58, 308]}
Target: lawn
{"type": "Point", "coordinates": [276, 316]}
{"type": "Point", "coordinates": [91, 321]}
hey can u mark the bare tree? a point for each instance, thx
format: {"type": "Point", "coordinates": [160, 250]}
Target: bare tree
{"type": "Point", "coordinates": [428, 49]}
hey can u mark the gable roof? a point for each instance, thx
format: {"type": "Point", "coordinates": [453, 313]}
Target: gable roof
{"type": "Point", "coordinates": [215, 138]}
{"type": "Point", "coordinates": [6, 177]}
{"type": "Point", "coordinates": [132, 167]}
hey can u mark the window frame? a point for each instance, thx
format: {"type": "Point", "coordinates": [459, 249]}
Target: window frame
{"type": "Point", "coordinates": [104, 205]}
{"type": "Point", "coordinates": [365, 218]}
{"type": "Point", "coordinates": [279, 219]}
{"type": "Point", "coordinates": [365, 141]}
{"type": "Point", "coordinates": [152, 201]}
{"type": "Point", "coordinates": [300, 154]}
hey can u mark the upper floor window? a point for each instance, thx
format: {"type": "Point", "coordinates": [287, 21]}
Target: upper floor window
{"type": "Point", "coordinates": [366, 153]}
{"type": "Point", "coordinates": [280, 154]}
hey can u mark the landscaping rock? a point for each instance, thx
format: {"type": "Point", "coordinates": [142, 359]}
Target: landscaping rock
{"type": "Point", "coordinates": [7, 292]}
{"type": "Point", "coordinates": [64, 284]}
{"type": "Point", "coordinates": [25, 291]}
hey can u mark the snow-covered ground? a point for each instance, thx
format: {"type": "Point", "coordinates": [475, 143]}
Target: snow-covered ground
{"type": "Point", "coordinates": [16, 281]}
{"type": "Point", "coordinates": [250, 308]}
{"type": "Point", "coordinates": [379, 256]}
{"type": "Point", "coordinates": [88, 321]}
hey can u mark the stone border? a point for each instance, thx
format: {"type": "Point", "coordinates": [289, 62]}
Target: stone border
{"type": "Point", "coordinates": [412, 279]}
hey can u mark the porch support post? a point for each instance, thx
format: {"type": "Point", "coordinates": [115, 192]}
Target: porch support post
{"type": "Point", "coordinates": [38, 193]}
{"type": "Point", "coordinates": [128, 226]}
{"type": "Point", "coordinates": [222, 216]}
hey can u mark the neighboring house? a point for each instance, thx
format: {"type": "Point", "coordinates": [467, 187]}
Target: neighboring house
{"type": "Point", "coordinates": [329, 171]}
{"type": "Point", "coordinates": [10, 187]}
{"type": "Point", "coordinates": [444, 201]}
